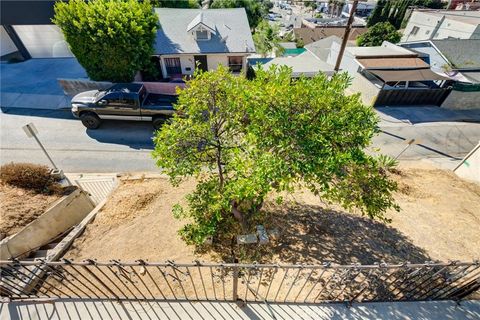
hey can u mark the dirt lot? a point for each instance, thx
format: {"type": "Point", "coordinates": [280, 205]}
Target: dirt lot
{"type": "Point", "coordinates": [440, 219]}
{"type": "Point", "coordinates": [20, 207]}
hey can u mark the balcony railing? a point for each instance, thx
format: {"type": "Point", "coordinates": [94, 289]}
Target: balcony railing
{"type": "Point", "coordinates": [143, 280]}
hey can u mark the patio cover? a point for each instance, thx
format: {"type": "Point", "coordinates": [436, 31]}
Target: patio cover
{"type": "Point", "coordinates": [408, 75]}
{"type": "Point", "coordinates": [392, 63]}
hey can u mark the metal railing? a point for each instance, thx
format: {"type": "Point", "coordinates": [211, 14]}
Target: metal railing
{"type": "Point", "coordinates": [328, 282]}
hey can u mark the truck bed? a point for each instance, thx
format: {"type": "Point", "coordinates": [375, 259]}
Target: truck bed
{"type": "Point", "coordinates": [155, 99]}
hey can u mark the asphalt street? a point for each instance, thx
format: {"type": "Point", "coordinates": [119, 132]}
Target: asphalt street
{"type": "Point", "coordinates": [120, 146]}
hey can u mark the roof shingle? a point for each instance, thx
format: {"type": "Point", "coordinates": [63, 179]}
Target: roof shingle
{"type": "Point", "coordinates": [232, 31]}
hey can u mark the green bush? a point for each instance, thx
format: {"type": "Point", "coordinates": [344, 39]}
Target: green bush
{"type": "Point", "coordinates": [111, 39]}
{"type": "Point", "coordinates": [27, 176]}
{"type": "Point", "coordinates": [382, 31]}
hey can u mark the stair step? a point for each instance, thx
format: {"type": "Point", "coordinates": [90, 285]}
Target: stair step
{"type": "Point", "coordinates": [49, 246]}
{"type": "Point", "coordinates": [39, 254]}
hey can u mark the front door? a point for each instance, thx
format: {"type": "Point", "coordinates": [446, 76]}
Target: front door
{"type": "Point", "coordinates": [201, 62]}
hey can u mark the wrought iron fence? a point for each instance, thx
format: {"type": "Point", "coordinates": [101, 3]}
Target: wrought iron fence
{"type": "Point", "coordinates": [328, 282]}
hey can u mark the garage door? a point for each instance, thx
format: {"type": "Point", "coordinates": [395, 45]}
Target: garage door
{"type": "Point", "coordinates": [43, 41]}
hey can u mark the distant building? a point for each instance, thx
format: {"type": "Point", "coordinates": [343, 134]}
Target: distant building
{"type": "Point", "coordinates": [364, 9]}
{"type": "Point", "coordinates": [458, 59]}
{"type": "Point", "coordinates": [309, 63]}
{"type": "Point", "coordinates": [309, 35]}
{"type": "Point", "coordinates": [191, 38]}
{"type": "Point", "coordinates": [442, 24]}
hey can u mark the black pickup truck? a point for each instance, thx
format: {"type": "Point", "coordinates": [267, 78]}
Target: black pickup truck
{"type": "Point", "coordinates": [130, 101]}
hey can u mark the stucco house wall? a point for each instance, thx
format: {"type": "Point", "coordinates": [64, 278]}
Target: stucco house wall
{"type": "Point", "coordinates": [187, 62]}
{"type": "Point", "coordinates": [6, 46]}
{"type": "Point", "coordinates": [437, 26]}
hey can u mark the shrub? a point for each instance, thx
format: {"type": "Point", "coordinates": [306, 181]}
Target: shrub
{"type": "Point", "coordinates": [111, 39]}
{"type": "Point", "coordinates": [382, 31]}
{"type": "Point", "coordinates": [27, 176]}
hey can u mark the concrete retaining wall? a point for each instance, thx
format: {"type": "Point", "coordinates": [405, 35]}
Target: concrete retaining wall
{"type": "Point", "coordinates": [365, 87]}
{"type": "Point", "coordinates": [72, 87]}
{"type": "Point", "coordinates": [462, 100]}
{"type": "Point", "coordinates": [163, 87]}
{"type": "Point", "coordinates": [62, 215]}
{"type": "Point", "coordinates": [469, 168]}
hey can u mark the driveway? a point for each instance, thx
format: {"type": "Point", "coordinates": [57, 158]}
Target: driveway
{"type": "Point", "coordinates": [33, 83]}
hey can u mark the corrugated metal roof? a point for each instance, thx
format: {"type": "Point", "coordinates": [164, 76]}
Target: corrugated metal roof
{"type": "Point", "coordinates": [393, 63]}
{"type": "Point", "coordinates": [232, 31]}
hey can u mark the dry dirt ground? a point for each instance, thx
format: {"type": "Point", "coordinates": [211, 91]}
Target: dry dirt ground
{"type": "Point", "coordinates": [440, 220]}
{"type": "Point", "coordinates": [19, 207]}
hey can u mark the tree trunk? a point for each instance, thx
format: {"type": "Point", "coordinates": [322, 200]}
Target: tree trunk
{"type": "Point", "coordinates": [239, 216]}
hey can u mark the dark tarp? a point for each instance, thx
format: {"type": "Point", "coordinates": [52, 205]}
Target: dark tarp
{"type": "Point", "coordinates": [407, 75]}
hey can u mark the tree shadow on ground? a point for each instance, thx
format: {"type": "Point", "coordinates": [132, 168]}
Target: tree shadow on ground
{"type": "Point", "coordinates": [310, 234]}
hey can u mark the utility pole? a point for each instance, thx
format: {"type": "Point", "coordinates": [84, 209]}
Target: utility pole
{"type": "Point", "coordinates": [346, 35]}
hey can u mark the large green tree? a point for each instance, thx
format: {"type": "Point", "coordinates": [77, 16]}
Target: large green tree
{"type": "Point", "coordinates": [376, 15]}
{"type": "Point", "coordinates": [382, 31]}
{"type": "Point", "coordinates": [243, 139]}
{"type": "Point", "coordinates": [255, 10]}
{"type": "Point", "coordinates": [267, 39]}
{"type": "Point", "coordinates": [176, 3]}
{"type": "Point", "coordinates": [111, 39]}
{"type": "Point", "coordinates": [394, 11]}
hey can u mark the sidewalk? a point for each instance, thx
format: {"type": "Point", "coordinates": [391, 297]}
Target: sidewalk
{"type": "Point", "coordinates": [397, 116]}
{"type": "Point", "coordinates": [91, 309]}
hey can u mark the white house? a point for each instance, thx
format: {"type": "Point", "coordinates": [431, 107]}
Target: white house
{"type": "Point", "coordinates": [191, 38]}
{"type": "Point", "coordinates": [442, 24]}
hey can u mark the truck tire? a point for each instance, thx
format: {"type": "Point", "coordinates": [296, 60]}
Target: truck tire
{"type": "Point", "coordinates": [158, 122]}
{"type": "Point", "coordinates": [90, 120]}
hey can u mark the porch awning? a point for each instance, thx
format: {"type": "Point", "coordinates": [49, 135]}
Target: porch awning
{"type": "Point", "coordinates": [408, 75]}
{"type": "Point", "coordinates": [393, 63]}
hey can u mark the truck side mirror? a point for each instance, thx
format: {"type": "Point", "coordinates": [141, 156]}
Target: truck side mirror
{"type": "Point", "coordinates": [102, 102]}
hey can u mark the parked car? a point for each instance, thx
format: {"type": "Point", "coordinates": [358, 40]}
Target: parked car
{"type": "Point", "coordinates": [123, 101]}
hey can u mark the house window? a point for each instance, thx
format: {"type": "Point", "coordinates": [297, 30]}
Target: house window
{"type": "Point", "coordinates": [173, 66]}
{"type": "Point", "coordinates": [235, 63]}
{"type": "Point", "coordinates": [414, 30]}
{"type": "Point", "coordinates": [202, 34]}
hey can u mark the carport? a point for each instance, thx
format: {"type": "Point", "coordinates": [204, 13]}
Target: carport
{"type": "Point", "coordinates": [409, 86]}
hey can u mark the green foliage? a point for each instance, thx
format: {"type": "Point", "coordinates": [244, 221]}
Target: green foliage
{"type": "Point", "coordinates": [111, 39]}
{"type": "Point", "coordinates": [243, 139]}
{"type": "Point", "coordinates": [431, 4]}
{"type": "Point", "coordinates": [382, 31]}
{"type": "Point", "coordinates": [267, 39]}
{"type": "Point", "coordinates": [256, 10]}
{"type": "Point", "coordinates": [288, 37]}
{"type": "Point", "coordinates": [299, 43]}
{"type": "Point", "coordinates": [394, 11]}
{"type": "Point", "coordinates": [176, 3]}
{"type": "Point", "coordinates": [376, 15]}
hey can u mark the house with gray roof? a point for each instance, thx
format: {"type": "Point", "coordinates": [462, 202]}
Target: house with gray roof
{"type": "Point", "coordinates": [195, 38]}
{"type": "Point", "coordinates": [458, 59]}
